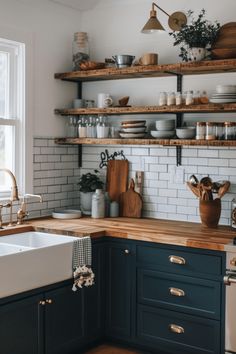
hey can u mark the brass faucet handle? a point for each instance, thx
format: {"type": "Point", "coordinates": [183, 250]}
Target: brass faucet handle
{"type": "Point", "coordinates": [21, 214]}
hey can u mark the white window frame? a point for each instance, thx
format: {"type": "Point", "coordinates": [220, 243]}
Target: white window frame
{"type": "Point", "coordinates": [15, 113]}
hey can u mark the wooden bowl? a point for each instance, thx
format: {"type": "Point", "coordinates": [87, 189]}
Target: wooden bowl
{"type": "Point", "coordinates": [210, 211]}
{"type": "Point", "coordinates": [92, 65]}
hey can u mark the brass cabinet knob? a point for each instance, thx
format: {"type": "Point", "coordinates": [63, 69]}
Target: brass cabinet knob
{"type": "Point", "coordinates": [176, 292]}
{"type": "Point", "coordinates": [49, 301]}
{"type": "Point", "coordinates": [42, 303]}
{"type": "Point", "coordinates": [176, 329]}
{"type": "Point", "coordinates": [177, 260]}
{"type": "Point", "coordinates": [233, 262]}
{"type": "Point", "coordinates": [127, 251]}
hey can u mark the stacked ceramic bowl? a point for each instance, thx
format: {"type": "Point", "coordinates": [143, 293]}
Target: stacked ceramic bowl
{"type": "Point", "coordinates": [224, 94]}
{"type": "Point", "coordinates": [133, 129]}
{"type": "Point", "coordinates": [165, 129]}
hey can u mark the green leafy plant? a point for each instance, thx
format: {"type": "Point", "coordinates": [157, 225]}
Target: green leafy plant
{"type": "Point", "coordinates": [89, 182]}
{"type": "Point", "coordinates": [200, 33]}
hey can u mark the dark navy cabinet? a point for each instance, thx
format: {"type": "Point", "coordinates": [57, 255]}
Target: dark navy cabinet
{"type": "Point", "coordinates": [180, 296]}
{"type": "Point", "coordinates": [120, 277]}
{"type": "Point", "coordinates": [21, 326]}
{"type": "Point", "coordinates": [159, 298]}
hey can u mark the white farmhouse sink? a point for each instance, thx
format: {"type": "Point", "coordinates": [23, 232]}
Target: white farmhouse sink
{"type": "Point", "coordinates": [33, 259]}
{"type": "Point", "coordinates": [6, 249]}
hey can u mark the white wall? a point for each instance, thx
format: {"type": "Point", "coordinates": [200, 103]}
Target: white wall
{"type": "Point", "coordinates": [48, 29]}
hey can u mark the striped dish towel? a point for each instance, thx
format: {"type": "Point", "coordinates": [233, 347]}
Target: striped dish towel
{"type": "Point", "coordinates": [82, 262]}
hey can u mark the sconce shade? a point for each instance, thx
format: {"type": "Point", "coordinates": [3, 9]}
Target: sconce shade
{"type": "Point", "coordinates": [152, 24]}
{"type": "Point", "coordinates": [176, 21]}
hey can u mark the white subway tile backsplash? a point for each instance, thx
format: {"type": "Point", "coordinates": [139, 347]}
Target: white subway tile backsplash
{"type": "Point", "coordinates": [56, 174]}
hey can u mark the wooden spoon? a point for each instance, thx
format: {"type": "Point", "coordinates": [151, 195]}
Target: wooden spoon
{"type": "Point", "coordinates": [223, 189]}
{"type": "Point", "coordinates": [194, 189]}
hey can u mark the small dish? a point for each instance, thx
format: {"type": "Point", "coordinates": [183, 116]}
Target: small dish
{"type": "Point", "coordinates": [134, 130]}
{"type": "Point", "coordinates": [163, 134]}
{"type": "Point", "coordinates": [66, 214]}
{"type": "Point", "coordinates": [226, 89]}
{"type": "Point", "coordinates": [132, 135]}
{"type": "Point", "coordinates": [186, 132]}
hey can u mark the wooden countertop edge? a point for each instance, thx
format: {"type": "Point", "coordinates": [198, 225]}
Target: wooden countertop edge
{"type": "Point", "coordinates": [216, 239]}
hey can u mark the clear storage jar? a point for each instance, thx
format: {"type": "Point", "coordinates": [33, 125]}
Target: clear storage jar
{"type": "Point", "coordinates": [80, 49]}
{"type": "Point", "coordinates": [200, 130]}
{"type": "Point", "coordinates": [210, 131]}
{"type": "Point", "coordinates": [219, 131]}
{"type": "Point", "coordinates": [229, 131]}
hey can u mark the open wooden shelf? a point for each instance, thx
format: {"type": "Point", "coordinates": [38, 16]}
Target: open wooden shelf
{"type": "Point", "coordinates": [203, 108]}
{"type": "Point", "coordinates": [163, 142]}
{"type": "Point", "coordinates": [194, 68]}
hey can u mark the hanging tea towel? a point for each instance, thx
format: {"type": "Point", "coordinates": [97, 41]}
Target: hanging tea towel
{"type": "Point", "coordinates": [82, 261]}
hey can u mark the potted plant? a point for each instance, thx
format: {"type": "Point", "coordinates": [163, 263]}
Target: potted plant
{"type": "Point", "coordinates": [88, 183]}
{"type": "Point", "coordinates": [196, 37]}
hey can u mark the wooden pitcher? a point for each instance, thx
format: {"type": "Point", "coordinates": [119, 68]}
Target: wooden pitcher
{"type": "Point", "coordinates": [210, 211]}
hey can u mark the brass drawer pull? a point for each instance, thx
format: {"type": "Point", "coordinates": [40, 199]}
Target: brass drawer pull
{"type": "Point", "coordinates": [176, 329]}
{"type": "Point", "coordinates": [177, 260]}
{"type": "Point", "coordinates": [42, 303]}
{"type": "Point", "coordinates": [49, 301]}
{"type": "Point", "coordinates": [176, 292]}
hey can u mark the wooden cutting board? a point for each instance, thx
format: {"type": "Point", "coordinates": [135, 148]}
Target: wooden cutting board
{"type": "Point", "coordinates": [117, 178]}
{"type": "Point", "coordinates": [131, 203]}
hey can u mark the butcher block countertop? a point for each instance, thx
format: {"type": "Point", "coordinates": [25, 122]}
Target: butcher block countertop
{"type": "Point", "coordinates": [151, 230]}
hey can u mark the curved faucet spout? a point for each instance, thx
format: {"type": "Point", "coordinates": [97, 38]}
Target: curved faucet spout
{"type": "Point", "coordinates": [14, 191]}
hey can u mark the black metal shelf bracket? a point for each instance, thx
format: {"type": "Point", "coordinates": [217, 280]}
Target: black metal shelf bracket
{"type": "Point", "coordinates": [80, 148]}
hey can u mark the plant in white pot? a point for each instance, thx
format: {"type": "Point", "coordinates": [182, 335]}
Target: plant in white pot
{"type": "Point", "coordinates": [88, 183]}
{"type": "Point", "coordinates": [196, 37]}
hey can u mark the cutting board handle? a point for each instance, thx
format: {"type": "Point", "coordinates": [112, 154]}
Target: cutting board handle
{"type": "Point", "coordinates": [132, 184]}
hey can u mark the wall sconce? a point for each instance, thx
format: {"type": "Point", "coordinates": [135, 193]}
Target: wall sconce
{"type": "Point", "coordinates": [176, 21]}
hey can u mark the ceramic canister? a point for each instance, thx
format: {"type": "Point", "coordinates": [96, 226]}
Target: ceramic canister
{"type": "Point", "coordinates": [98, 204]}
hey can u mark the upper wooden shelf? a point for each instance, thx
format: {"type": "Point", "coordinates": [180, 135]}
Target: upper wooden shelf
{"type": "Point", "coordinates": [203, 108]}
{"type": "Point", "coordinates": [164, 142]}
{"type": "Point", "coordinates": [194, 68]}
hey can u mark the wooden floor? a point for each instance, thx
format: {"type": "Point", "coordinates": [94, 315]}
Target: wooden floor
{"type": "Point", "coordinates": [108, 349]}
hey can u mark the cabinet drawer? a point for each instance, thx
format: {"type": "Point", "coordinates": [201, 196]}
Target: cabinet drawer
{"type": "Point", "coordinates": [177, 292]}
{"type": "Point", "coordinates": [177, 332]}
{"type": "Point", "coordinates": [178, 261]}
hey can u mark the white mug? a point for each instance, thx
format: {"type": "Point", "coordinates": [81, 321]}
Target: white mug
{"type": "Point", "coordinates": [104, 100]}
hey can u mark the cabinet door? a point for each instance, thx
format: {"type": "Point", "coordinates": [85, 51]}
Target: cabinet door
{"type": "Point", "coordinates": [119, 270]}
{"type": "Point", "coordinates": [21, 327]}
{"type": "Point", "coordinates": [63, 321]}
{"type": "Point", "coordinates": [94, 296]}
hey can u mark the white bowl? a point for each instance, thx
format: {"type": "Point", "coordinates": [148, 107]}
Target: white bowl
{"type": "Point", "coordinates": [163, 134]}
{"type": "Point", "coordinates": [168, 124]}
{"type": "Point", "coordinates": [186, 132]}
{"type": "Point", "coordinates": [226, 88]}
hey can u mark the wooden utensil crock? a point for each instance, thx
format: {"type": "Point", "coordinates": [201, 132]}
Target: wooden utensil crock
{"type": "Point", "coordinates": [210, 211]}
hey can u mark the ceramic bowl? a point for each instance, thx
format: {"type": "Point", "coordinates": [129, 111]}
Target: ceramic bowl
{"type": "Point", "coordinates": [168, 124]}
{"type": "Point", "coordinates": [226, 88]}
{"type": "Point", "coordinates": [186, 132]}
{"type": "Point", "coordinates": [163, 134]}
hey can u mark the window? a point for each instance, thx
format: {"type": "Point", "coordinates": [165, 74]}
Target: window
{"type": "Point", "coordinates": [12, 112]}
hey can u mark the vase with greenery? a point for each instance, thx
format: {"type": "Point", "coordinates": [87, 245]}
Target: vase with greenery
{"type": "Point", "coordinates": [198, 34]}
{"type": "Point", "coordinates": [88, 183]}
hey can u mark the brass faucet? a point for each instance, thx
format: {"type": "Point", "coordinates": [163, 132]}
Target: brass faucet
{"type": "Point", "coordinates": [22, 213]}
{"type": "Point", "coordinates": [14, 195]}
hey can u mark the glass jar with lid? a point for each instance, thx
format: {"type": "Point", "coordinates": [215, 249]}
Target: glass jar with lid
{"type": "Point", "coordinates": [210, 131]}
{"type": "Point", "coordinates": [200, 130]}
{"type": "Point", "coordinates": [80, 49]}
{"type": "Point", "coordinates": [219, 130]}
{"type": "Point", "coordinates": [229, 128]}
{"type": "Point", "coordinates": [71, 127]}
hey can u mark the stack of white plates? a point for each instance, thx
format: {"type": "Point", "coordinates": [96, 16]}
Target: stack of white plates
{"type": "Point", "coordinates": [224, 94]}
{"type": "Point", "coordinates": [132, 129]}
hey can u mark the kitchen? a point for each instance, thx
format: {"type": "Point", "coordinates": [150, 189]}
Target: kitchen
{"type": "Point", "coordinates": [47, 28]}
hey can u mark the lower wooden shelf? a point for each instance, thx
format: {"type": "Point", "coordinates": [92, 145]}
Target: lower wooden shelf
{"type": "Point", "coordinates": [163, 142]}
